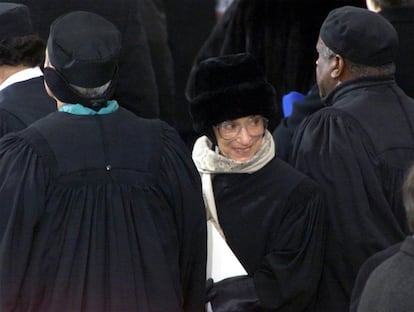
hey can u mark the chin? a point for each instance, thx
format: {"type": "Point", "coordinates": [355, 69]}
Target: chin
{"type": "Point", "coordinates": [240, 158]}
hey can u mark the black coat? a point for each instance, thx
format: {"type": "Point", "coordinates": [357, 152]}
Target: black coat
{"type": "Point", "coordinates": [136, 89]}
{"type": "Point", "coordinates": [358, 149]}
{"type": "Point", "coordinates": [100, 213]}
{"type": "Point", "coordinates": [365, 271]}
{"type": "Point", "coordinates": [22, 103]}
{"type": "Point", "coordinates": [273, 220]}
{"type": "Point", "coordinates": [403, 21]}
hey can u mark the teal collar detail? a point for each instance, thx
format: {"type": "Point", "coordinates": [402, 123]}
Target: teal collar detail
{"type": "Point", "coordinates": [78, 109]}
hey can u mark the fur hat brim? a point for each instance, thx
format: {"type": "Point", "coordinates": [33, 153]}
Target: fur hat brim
{"type": "Point", "coordinates": [245, 99]}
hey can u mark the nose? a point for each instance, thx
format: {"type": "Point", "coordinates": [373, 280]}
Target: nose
{"type": "Point", "coordinates": [244, 136]}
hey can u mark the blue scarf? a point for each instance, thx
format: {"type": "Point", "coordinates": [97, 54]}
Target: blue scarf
{"type": "Point", "coordinates": [78, 109]}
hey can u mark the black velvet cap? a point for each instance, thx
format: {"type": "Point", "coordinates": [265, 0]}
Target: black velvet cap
{"type": "Point", "coordinates": [229, 87]}
{"type": "Point", "coordinates": [84, 48]}
{"type": "Point", "coordinates": [359, 35]}
{"type": "Point", "coordinates": [15, 20]}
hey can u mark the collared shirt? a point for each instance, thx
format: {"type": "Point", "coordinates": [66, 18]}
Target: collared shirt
{"type": "Point", "coordinates": [22, 75]}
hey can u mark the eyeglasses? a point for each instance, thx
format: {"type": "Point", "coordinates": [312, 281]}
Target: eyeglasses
{"type": "Point", "coordinates": [255, 126]}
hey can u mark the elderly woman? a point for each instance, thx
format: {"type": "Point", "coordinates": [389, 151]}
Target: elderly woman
{"type": "Point", "coordinates": [269, 215]}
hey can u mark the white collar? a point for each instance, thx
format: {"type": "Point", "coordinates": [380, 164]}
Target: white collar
{"type": "Point", "coordinates": [22, 75]}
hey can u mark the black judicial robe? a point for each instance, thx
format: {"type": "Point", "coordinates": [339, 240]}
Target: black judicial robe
{"type": "Point", "coordinates": [23, 103]}
{"type": "Point", "coordinates": [358, 149]}
{"type": "Point", "coordinates": [273, 221]}
{"type": "Point", "coordinates": [100, 213]}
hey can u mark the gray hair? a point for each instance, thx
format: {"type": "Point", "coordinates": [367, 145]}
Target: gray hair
{"type": "Point", "coordinates": [360, 70]}
{"type": "Point", "coordinates": [92, 92]}
{"type": "Point", "coordinates": [326, 52]}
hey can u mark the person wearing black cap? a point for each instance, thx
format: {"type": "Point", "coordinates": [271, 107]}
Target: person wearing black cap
{"type": "Point", "coordinates": [358, 146]}
{"type": "Point", "coordinates": [23, 98]}
{"type": "Point", "coordinates": [137, 88]}
{"type": "Point", "coordinates": [101, 210]}
{"type": "Point", "coordinates": [268, 214]}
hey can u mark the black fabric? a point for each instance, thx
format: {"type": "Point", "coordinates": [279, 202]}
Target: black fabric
{"type": "Point", "coordinates": [136, 89]}
{"type": "Point", "coordinates": [14, 20]}
{"type": "Point", "coordinates": [281, 243]}
{"type": "Point", "coordinates": [154, 19]}
{"type": "Point", "coordinates": [22, 103]}
{"type": "Point", "coordinates": [229, 87]}
{"type": "Point", "coordinates": [390, 286]}
{"type": "Point", "coordinates": [234, 294]}
{"type": "Point", "coordinates": [365, 271]}
{"type": "Point", "coordinates": [348, 31]}
{"type": "Point", "coordinates": [84, 47]}
{"type": "Point", "coordinates": [189, 22]}
{"type": "Point", "coordinates": [358, 149]}
{"type": "Point", "coordinates": [403, 21]}
{"type": "Point", "coordinates": [284, 131]}
{"type": "Point", "coordinates": [100, 213]}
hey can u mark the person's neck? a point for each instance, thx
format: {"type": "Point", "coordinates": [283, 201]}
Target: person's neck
{"type": "Point", "coordinates": [7, 70]}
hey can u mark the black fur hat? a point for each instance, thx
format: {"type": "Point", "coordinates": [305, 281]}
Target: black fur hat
{"type": "Point", "coordinates": [229, 87]}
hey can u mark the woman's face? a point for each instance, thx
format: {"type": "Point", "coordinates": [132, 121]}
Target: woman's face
{"type": "Point", "coordinates": [239, 139]}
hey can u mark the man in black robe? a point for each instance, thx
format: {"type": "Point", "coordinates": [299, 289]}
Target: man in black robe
{"type": "Point", "coordinates": [101, 210]}
{"type": "Point", "coordinates": [23, 98]}
{"type": "Point", "coordinates": [358, 146]}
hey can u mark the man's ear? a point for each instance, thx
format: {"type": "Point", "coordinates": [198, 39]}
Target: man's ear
{"type": "Point", "coordinates": [337, 67]}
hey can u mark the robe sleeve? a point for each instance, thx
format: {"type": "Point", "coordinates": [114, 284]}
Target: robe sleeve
{"type": "Point", "coordinates": [182, 182]}
{"type": "Point", "coordinates": [289, 275]}
{"type": "Point", "coordinates": [360, 187]}
{"type": "Point", "coordinates": [22, 196]}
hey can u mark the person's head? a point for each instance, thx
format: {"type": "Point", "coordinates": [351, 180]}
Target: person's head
{"type": "Point", "coordinates": [353, 43]}
{"type": "Point", "coordinates": [81, 62]}
{"type": "Point", "coordinates": [19, 45]}
{"type": "Point", "coordinates": [233, 103]}
{"type": "Point", "coordinates": [408, 197]}
{"type": "Point", "coordinates": [378, 5]}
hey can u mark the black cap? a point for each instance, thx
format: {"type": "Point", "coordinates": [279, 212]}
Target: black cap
{"type": "Point", "coordinates": [84, 48]}
{"type": "Point", "coordinates": [360, 35]}
{"type": "Point", "coordinates": [229, 87]}
{"type": "Point", "coordinates": [15, 20]}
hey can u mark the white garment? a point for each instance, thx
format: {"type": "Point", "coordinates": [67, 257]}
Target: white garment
{"type": "Point", "coordinates": [221, 261]}
{"type": "Point", "coordinates": [22, 75]}
{"type": "Point", "coordinates": [222, 5]}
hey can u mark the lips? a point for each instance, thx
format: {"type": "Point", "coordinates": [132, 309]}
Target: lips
{"type": "Point", "coordinates": [242, 150]}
